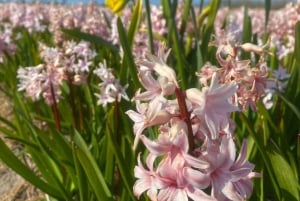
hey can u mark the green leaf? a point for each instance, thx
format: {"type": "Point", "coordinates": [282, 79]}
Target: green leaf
{"type": "Point", "coordinates": [267, 11]}
{"type": "Point", "coordinates": [259, 141]}
{"type": "Point", "coordinates": [297, 43]}
{"type": "Point", "coordinates": [283, 173]}
{"type": "Point", "coordinates": [91, 169]}
{"type": "Point", "coordinates": [42, 157]}
{"type": "Point", "coordinates": [109, 163]}
{"type": "Point", "coordinates": [128, 59]}
{"type": "Point", "coordinates": [247, 29]}
{"type": "Point", "coordinates": [298, 149]}
{"type": "Point", "coordinates": [265, 113]}
{"type": "Point", "coordinates": [185, 15]}
{"type": "Point", "coordinates": [175, 43]}
{"type": "Point", "coordinates": [24, 141]}
{"type": "Point", "coordinates": [93, 39]}
{"type": "Point", "coordinates": [149, 30]}
{"type": "Point", "coordinates": [291, 106]}
{"type": "Point", "coordinates": [247, 32]}
{"type": "Point", "coordinates": [82, 181]}
{"type": "Point", "coordinates": [60, 148]}
{"type": "Point", "coordinates": [7, 123]}
{"type": "Point", "coordinates": [122, 163]}
{"type": "Point", "coordinates": [213, 9]}
{"type": "Point", "coordinates": [135, 21]}
{"type": "Point", "coordinates": [16, 165]}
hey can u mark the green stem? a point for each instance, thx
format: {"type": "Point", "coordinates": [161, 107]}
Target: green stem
{"type": "Point", "coordinates": [73, 108]}
{"type": "Point", "coordinates": [298, 149]}
{"type": "Point", "coordinates": [54, 109]}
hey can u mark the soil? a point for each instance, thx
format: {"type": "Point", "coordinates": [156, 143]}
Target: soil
{"type": "Point", "coordinates": [12, 186]}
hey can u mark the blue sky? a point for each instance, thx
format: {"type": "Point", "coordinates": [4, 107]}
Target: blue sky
{"type": "Point", "coordinates": [195, 1]}
{"type": "Point", "coordinates": [224, 2]}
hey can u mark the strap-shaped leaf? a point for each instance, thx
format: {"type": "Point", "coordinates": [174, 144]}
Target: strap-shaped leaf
{"type": "Point", "coordinates": [283, 173]}
{"type": "Point", "coordinates": [81, 179]}
{"type": "Point", "coordinates": [267, 11]}
{"type": "Point", "coordinates": [297, 42]}
{"type": "Point", "coordinates": [291, 106]}
{"type": "Point", "coordinates": [92, 171]}
{"type": "Point", "coordinates": [149, 30]}
{"type": "Point", "coordinates": [122, 163]}
{"type": "Point", "coordinates": [15, 164]}
{"type": "Point", "coordinates": [75, 33]}
{"type": "Point", "coordinates": [135, 22]}
{"type": "Point", "coordinates": [128, 60]}
{"type": "Point", "coordinates": [259, 141]}
{"type": "Point", "coordinates": [214, 6]}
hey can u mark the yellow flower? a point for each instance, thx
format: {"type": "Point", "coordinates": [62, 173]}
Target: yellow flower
{"type": "Point", "coordinates": [115, 5]}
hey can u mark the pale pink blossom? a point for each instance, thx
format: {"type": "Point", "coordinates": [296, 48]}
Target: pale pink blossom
{"type": "Point", "coordinates": [158, 64]}
{"type": "Point", "coordinates": [178, 188]}
{"type": "Point", "coordinates": [251, 77]}
{"type": "Point", "coordinates": [230, 177]}
{"type": "Point", "coordinates": [214, 104]}
{"type": "Point", "coordinates": [7, 44]}
{"type": "Point", "coordinates": [80, 56]}
{"type": "Point", "coordinates": [169, 180]}
{"type": "Point", "coordinates": [148, 114]}
{"type": "Point", "coordinates": [41, 80]}
{"type": "Point", "coordinates": [148, 180]}
{"type": "Point", "coordinates": [183, 172]}
{"type": "Point", "coordinates": [154, 87]}
{"type": "Point", "coordinates": [166, 143]}
{"type": "Point", "coordinates": [111, 89]}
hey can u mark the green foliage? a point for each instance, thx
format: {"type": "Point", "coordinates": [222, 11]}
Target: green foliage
{"type": "Point", "coordinates": [90, 156]}
{"type": "Point", "coordinates": [297, 42]}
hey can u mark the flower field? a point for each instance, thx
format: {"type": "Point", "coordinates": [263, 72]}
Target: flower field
{"type": "Point", "coordinates": [170, 102]}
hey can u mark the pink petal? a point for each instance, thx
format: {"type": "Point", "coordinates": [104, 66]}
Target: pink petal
{"type": "Point", "coordinates": [228, 151]}
{"type": "Point", "coordinates": [166, 171]}
{"type": "Point", "coordinates": [196, 162]}
{"type": "Point", "coordinates": [180, 195]}
{"type": "Point", "coordinates": [195, 96]}
{"type": "Point", "coordinates": [156, 147]}
{"type": "Point", "coordinates": [244, 187]}
{"type": "Point", "coordinates": [196, 178]}
{"type": "Point", "coordinates": [181, 142]}
{"type": "Point", "coordinates": [213, 125]}
{"type": "Point", "coordinates": [136, 117]}
{"type": "Point", "coordinates": [230, 192]}
{"type": "Point", "coordinates": [242, 156]}
{"type": "Point", "coordinates": [141, 186]}
{"type": "Point", "coordinates": [148, 81]}
{"type": "Point", "coordinates": [199, 195]}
